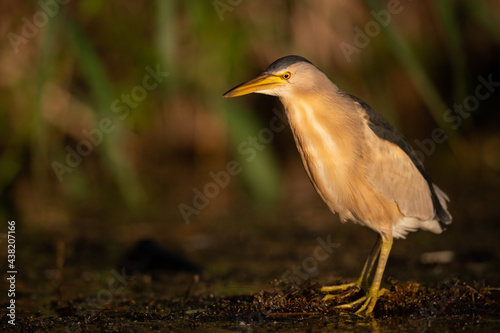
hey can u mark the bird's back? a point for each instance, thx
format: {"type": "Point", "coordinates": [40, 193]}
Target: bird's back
{"type": "Point", "coordinates": [362, 166]}
{"type": "Point", "coordinates": [387, 132]}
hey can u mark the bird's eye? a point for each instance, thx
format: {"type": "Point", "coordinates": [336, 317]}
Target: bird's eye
{"type": "Point", "coordinates": [286, 75]}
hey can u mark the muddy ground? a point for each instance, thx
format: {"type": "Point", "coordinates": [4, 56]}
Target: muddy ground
{"type": "Point", "coordinates": [247, 277]}
{"type": "Point", "coordinates": [449, 305]}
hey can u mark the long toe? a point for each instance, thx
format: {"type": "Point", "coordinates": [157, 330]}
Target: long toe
{"type": "Point", "coordinates": [351, 304]}
{"type": "Point", "coordinates": [340, 287]}
{"type": "Point", "coordinates": [369, 304]}
{"type": "Point", "coordinates": [340, 291]}
{"type": "Point", "coordinates": [367, 307]}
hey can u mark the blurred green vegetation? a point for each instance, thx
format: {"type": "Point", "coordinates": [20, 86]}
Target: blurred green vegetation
{"type": "Point", "coordinates": [64, 80]}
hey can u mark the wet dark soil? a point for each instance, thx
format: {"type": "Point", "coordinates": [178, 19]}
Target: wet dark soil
{"type": "Point", "coordinates": [254, 276]}
{"type": "Point", "coordinates": [409, 306]}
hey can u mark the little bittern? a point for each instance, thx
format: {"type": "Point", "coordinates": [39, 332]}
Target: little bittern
{"type": "Point", "coordinates": [360, 165]}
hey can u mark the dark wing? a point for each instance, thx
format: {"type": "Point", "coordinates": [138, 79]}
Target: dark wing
{"type": "Point", "coordinates": [384, 130]}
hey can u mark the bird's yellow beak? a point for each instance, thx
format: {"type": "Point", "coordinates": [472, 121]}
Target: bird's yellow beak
{"type": "Point", "coordinates": [260, 83]}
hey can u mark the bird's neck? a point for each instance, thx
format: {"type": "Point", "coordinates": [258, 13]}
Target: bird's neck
{"type": "Point", "coordinates": [328, 137]}
{"type": "Point", "coordinates": [324, 124]}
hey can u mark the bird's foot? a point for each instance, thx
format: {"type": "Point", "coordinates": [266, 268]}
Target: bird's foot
{"type": "Point", "coordinates": [340, 287]}
{"type": "Point", "coordinates": [369, 301]}
{"type": "Point", "coordinates": [346, 290]}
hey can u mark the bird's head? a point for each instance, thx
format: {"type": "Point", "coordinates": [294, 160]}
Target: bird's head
{"type": "Point", "coordinates": [284, 77]}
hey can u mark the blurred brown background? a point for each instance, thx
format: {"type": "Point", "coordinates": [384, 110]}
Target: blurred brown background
{"type": "Point", "coordinates": [112, 119]}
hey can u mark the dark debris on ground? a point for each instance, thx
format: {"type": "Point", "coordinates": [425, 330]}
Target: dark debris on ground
{"type": "Point", "coordinates": [285, 305]}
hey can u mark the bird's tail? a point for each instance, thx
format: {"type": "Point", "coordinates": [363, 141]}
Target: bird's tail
{"type": "Point", "coordinates": [436, 225]}
{"type": "Point", "coordinates": [442, 213]}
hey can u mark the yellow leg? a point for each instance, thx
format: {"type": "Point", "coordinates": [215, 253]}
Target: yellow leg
{"type": "Point", "coordinates": [373, 293]}
{"type": "Point", "coordinates": [367, 268]}
{"type": "Point", "coordinates": [363, 279]}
